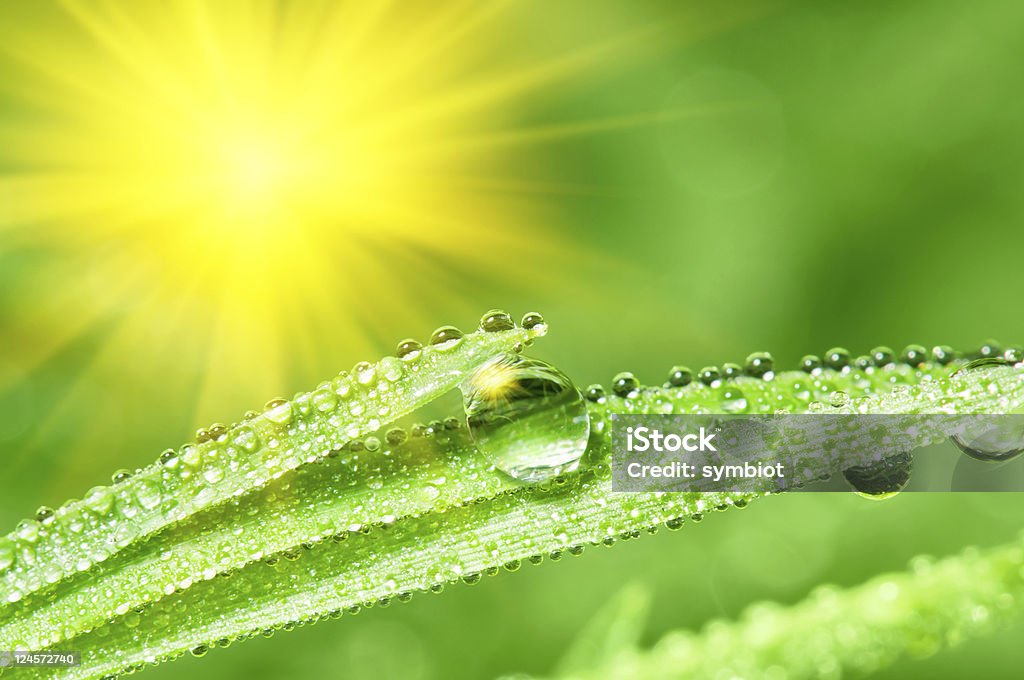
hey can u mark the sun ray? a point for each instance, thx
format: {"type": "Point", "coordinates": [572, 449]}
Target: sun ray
{"type": "Point", "coordinates": [255, 184]}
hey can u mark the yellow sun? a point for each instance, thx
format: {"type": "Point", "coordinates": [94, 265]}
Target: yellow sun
{"type": "Point", "coordinates": [238, 188]}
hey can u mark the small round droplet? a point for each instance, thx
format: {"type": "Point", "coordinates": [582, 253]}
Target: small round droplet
{"type": "Point", "coordinates": [883, 479]}
{"type": "Point", "coordinates": [810, 363]}
{"type": "Point", "coordinates": [365, 373]}
{"type": "Point", "coordinates": [447, 336]}
{"type": "Point", "coordinates": [99, 499]}
{"type": "Point", "coordinates": [27, 530]}
{"type": "Point", "coordinates": [534, 322]}
{"type": "Point", "coordinates": [148, 494]}
{"type": "Point", "coordinates": [391, 369]}
{"type": "Point", "coordinates": [882, 356]}
{"type": "Point", "coordinates": [709, 375]}
{"type": "Point", "coordinates": [212, 475]}
{"type": "Point", "coordinates": [680, 376]}
{"type": "Point", "coordinates": [943, 354]}
{"type": "Point", "coordinates": [863, 362]}
{"type": "Point", "coordinates": [169, 458]}
{"type": "Point", "coordinates": [839, 399]}
{"type": "Point", "coordinates": [278, 411]}
{"type": "Point", "coordinates": [625, 384]}
{"type": "Point", "coordinates": [758, 364]}
{"type": "Point", "coordinates": [200, 650]}
{"type": "Point", "coordinates": [989, 349]}
{"type": "Point", "coordinates": [594, 393]}
{"type": "Point", "coordinates": [527, 416]}
{"type": "Point", "coordinates": [408, 349]}
{"type": "Point", "coordinates": [395, 436]}
{"type": "Point", "coordinates": [837, 358]}
{"type": "Point", "coordinates": [914, 355]}
{"type": "Point", "coordinates": [1013, 355]}
{"type": "Point", "coordinates": [125, 534]}
{"type": "Point", "coordinates": [120, 476]}
{"type": "Point", "coordinates": [44, 514]}
{"type": "Point", "coordinates": [324, 400]}
{"type": "Point", "coordinates": [496, 320]}
{"type": "Point", "coordinates": [731, 371]}
{"type": "Point", "coordinates": [245, 438]}
{"type": "Point", "coordinates": [734, 401]}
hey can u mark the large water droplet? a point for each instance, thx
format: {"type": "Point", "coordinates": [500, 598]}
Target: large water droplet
{"type": "Point", "coordinates": [883, 479]}
{"type": "Point", "coordinates": [496, 320]}
{"type": "Point", "coordinates": [527, 416]}
{"type": "Point", "coordinates": [446, 337]}
{"type": "Point", "coordinates": [992, 439]}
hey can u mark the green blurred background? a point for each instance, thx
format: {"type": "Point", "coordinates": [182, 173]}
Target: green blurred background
{"type": "Point", "coordinates": [666, 182]}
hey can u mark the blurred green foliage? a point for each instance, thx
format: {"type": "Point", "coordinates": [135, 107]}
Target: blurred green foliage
{"type": "Point", "coordinates": [864, 189]}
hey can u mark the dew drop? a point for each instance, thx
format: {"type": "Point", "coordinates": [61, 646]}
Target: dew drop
{"type": "Point", "coordinates": [496, 320]}
{"type": "Point", "coordinates": [446, 337]}
{"type": "Point", "coordinates": [731, 371]}
{"type": "Point", "coordinates": [44, 514]}
{"type": "Point", "coordinates": [734, 401]}
{"type": "Point", "coordinates": [191, 455]}
{"type": "Point", "coordinates": [395, 435]}
{"type": "Point", "coordinates": [709, 375]}
{"type": "Point", "coordinates": [882, 356]}
{"type": "Point", "coordinates": [200, 650]}
{"type": "Point", "coordinates": [213, 475]}
{"type": "Point", "coordinates": [989, 349]}
{"type": "Point", "coordinates": [527, 416]}
{"type": "Point", "coordinates": [837, 358]}
{"type": "Point", "coordinates": [535, 324]}
{"type": "Point", "coordinates": [883, 479]}
{"type": "Point", "coordinates": [810, 363]}
{"type": "Point", "coordinates": [365, 373]}
{"type": "Point", "coordinates": [324, 400]}
{"type": "Point", "coordinates": [169, 458]}
{"type": "Point", "coordinates": [391, 369]}
{"type": "Point", "coordinates": [148, 494]}
{"type": "Point", "coordinates": [680, 376]}
{"type": "Point", "coordinates": [759, 364]}
{"type": "Point", "coordinates": [278, 411]}
{"type": "Point", "coordinates": [943, 354]}
{"type": "Point", "coordinates": [990, 438]}
{"type": "Point", "coordinates": [914, 355]}
{"type": "Point", "coordinates": [99, 499]}
{"type": "Point", "coordinates": [217, 432]}
{"type": "Point", "coordinates": [408, 349]}
{"type": "Point", "coordinates": [625, 384]}
{"type": "Point", "coordinates": [125, 534]}
{"type": "Point", "coordinates": [246, 439]}
{"type": "Point", "coordinates": [120, 476]}
{"type": "Point", "coordinates": [839, 399]}
{"type": "Point", "coordinates": [594, 393]}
